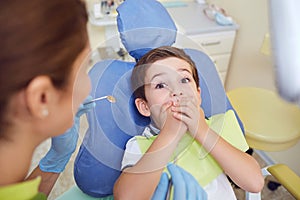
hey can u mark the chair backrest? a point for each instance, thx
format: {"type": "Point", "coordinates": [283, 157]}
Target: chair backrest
{"type": "Point", "coordinates": [143, 25]}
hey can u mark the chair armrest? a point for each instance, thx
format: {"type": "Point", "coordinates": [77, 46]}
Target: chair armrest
{"type": "Point", "coordinates": [286, 177]}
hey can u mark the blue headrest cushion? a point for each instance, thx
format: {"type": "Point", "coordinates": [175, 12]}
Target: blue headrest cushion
{"type": "Point", "coordinates": [140, 33]}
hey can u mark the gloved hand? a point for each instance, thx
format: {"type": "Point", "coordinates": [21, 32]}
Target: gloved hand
{"type": "Point", "coordinates": [185, 185]}
{"type": "Point", "coordinates": [64, 145]}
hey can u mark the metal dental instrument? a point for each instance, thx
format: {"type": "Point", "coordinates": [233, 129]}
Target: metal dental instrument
{"type": "Point", "coordinates": [109, 98]}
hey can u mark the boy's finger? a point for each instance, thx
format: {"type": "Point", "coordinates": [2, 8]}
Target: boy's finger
{"type": "Point", "coordinates": [166, 105]}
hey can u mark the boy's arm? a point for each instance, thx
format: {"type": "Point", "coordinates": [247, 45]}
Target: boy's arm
{"type": "Point", "coordinates": [140, 181]}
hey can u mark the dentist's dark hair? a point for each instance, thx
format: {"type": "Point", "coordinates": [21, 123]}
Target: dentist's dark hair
{"type": "Point", "coordinates": [38, 38]}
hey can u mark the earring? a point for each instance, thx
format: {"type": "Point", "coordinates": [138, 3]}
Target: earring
{"type": "Point", "coordinates": [45, 112]}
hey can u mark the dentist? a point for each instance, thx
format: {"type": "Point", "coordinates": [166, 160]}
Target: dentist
{"type": "Point", "coordinates": [43, 44]}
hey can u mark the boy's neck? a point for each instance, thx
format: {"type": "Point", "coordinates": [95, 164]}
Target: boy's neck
{"type": "Point", "coordinates": [154, 129]}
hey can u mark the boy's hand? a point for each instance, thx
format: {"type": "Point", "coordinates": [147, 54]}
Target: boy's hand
{"type": "Point", "coordinates": [169, 121]}
{"type": "Point", "coordinates": [191, 114]}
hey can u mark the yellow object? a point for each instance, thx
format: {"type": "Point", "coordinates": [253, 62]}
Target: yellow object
{"type": "Point", "coordinates": [24, 190]}
{"type": "Point", "coordinates": [271, 124]}
{"type": "Point", "coordinates": [289, 179]}
{"type": "Point", "coordinates": [266, 45]}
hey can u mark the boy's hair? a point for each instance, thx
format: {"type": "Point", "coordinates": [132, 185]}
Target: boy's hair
{"type": "Point", "coordinates": [160, 53]}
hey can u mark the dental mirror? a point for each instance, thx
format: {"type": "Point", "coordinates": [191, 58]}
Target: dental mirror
{"type": "Point", "coordinates": [109, 98]}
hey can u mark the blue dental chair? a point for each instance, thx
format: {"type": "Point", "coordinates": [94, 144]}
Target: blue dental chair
{"type": "Point", "coordinates": [143, 25]}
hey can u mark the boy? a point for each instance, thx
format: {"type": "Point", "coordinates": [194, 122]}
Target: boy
{"type": "Point", "coordinates": [166, 87]}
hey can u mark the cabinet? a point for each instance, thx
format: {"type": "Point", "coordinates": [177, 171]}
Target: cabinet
{"type": "Point", "coordinates": [219, 47]}
{"type": "Point", "coordinates": [195, 30]}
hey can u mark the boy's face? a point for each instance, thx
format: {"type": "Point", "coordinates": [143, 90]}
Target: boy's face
{"type": "Point", "coordinates": [167, 80]}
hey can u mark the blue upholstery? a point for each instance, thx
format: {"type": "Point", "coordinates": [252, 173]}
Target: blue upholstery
{"type": "Point", "coordinates": [98, 162]}
{"type": "Point", "coordinates": [149, 27]}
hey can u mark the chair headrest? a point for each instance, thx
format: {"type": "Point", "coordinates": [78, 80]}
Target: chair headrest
{"type": "Point", "coordinates": [140, 33]}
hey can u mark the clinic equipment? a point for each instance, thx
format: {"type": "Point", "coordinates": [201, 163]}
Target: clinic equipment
{"type": "Point", "coordinates": [285, 39]}
{"type": "Point", "coordinates": [109, 98]}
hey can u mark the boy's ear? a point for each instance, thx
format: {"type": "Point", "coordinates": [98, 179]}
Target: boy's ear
{"type": "Point", "coordinates": [39, 96]}
{"type": "Point", "coordinates": [199, 90]}
{"type": "Point", "coordinates": [199, 95]}
{"type": "Point", "coordinates": [142, 107]}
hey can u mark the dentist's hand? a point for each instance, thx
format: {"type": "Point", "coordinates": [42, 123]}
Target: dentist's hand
{"type": "Point", "coordinates": [64, 145]}
{"type": "Point", "coordinates": [185, 185]}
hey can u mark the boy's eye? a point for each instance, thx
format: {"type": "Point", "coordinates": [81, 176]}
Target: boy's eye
{"type": "Point", "coordinates": [161, 85]}
{"type": "Point", "coordinates": [185, 80]}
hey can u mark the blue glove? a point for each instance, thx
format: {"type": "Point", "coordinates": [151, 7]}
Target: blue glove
{"type": "Point", "coordinates": [162, 188]}
{"type": "Point", "coordinates": [64, 145]}
{"type": "Point", "coordinates": [185, 185]}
